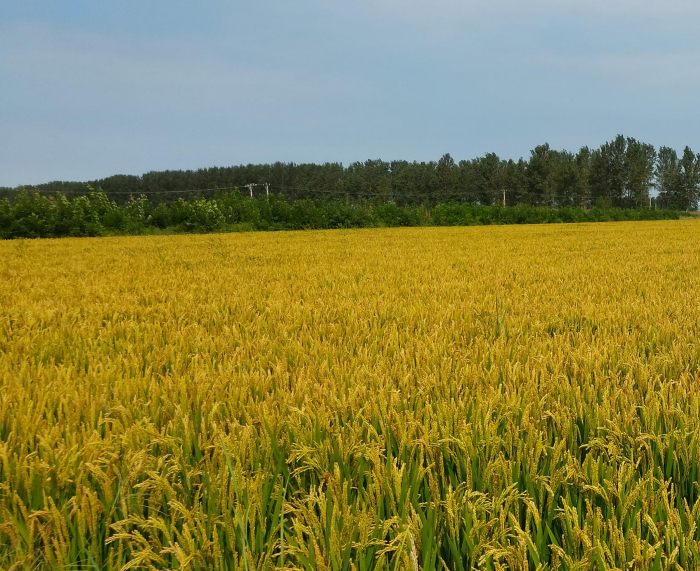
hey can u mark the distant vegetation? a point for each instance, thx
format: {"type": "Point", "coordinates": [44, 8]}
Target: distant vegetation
{"type": "Point", "coordinates": [621, 173]}
{"type": "Point", "coordinates": [31, 215]}
{"type": "Point", "coordinates": [613, 182]}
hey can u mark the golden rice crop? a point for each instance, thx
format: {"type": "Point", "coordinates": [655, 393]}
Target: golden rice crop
{"type": "Point", "coordinates": [443, 398]}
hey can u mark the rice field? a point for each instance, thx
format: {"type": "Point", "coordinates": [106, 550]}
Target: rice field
{"type": "Point", "coordinates": [507, 397]}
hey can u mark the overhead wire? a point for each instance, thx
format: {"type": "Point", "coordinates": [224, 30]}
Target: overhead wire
{"type": "Point", "coordinates": [312, 192]}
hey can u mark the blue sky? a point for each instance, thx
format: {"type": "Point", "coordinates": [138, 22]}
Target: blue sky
{"type": "Point", "coordinates": [93, 88]}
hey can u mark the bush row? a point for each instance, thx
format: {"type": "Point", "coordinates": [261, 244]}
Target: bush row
{"type": "Point", "coordinates": [31, 215]}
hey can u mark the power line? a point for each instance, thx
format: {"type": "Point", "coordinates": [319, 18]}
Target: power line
{"type": "Point", "coordinates": [118, 192]}
{"type": "Point", "coordinates": [393, 194]}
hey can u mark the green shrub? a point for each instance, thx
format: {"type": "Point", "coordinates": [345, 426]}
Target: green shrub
{"type": "Point", "coordinates": [30, 215]}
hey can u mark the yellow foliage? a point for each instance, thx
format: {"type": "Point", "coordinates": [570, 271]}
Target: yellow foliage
{"type": "Point", "coordinates": [512, 397]}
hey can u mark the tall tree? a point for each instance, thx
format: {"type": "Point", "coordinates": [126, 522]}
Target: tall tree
{"type": "Point", "coordinates": [396, 167]}
{"type": "Point", "coordinates": [445, 179]}
{"type": "Point", "coordinates": [369, 180]}
{"type": "Point", "coordinates": [583, 173]}
{"type": "Point", "coordinates": [541, 175]}
{"type": "Point", "coordinates": [619, 173]}
{"type": "Point", "coordinates": [638, 172]}
{"type": "Point", "coordinates": [689, 180]}
{"type": "Point", "coordinates": [466, 187]}
{"type": "Point", "coordinates": [514, 181]}
{"type": "Point", "coordinates": [416, 183]}
{"type": "Point", "coordinates": [607, 176]}
{"type": "Point", "coordinates": [667, 177]}
{"type": "Point", "coordinates": [565, 179]}
{"type": "Point", "coordinates": [487, 172]}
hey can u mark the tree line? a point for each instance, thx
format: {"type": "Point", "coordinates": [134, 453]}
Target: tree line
{"type": "Point", "coordinates": [620, 173]}
{"type": "Point", "coordinates": [32, 215]}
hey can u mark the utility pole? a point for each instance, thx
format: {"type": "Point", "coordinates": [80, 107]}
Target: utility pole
{"type": "Point", "coordinates": [504, 197]}
{"type": "Point", "coordinates": [267, 190]}
{"type": "Point", "coordinates": [250, 188]}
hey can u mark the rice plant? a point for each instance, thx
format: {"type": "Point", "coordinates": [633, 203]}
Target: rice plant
{"type": "Point", "coordinates": [500, 398]}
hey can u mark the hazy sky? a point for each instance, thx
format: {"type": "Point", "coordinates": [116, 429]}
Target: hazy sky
{"type": "Point", "coordinates": [92, 88]}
